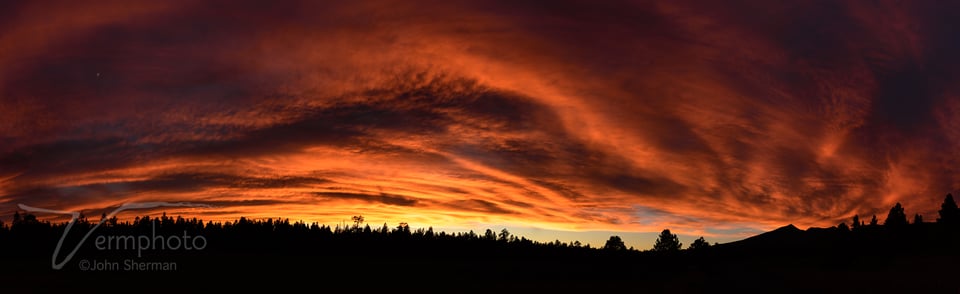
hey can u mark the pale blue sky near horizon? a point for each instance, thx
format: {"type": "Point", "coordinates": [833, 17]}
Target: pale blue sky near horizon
{"type": "Point", "coordinates": [637, 240]}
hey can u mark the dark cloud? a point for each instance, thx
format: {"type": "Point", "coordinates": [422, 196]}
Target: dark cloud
{"type": "Point", "coordinates": [64, 157]}
{"type": "Point", "coordinates": [384, 198]}
{"type": "Point", "coordinates": [241, 203]}
{"type": "Point", "coordinates": [478, 205]}
{"type": "Point", "coordinates": [164, 184]}
{"type": "Point", "coordinates": [206, 180]}
{"type": "Point", "coordinates": [639, 185]}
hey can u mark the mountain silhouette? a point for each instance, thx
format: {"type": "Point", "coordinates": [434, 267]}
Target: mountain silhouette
{"type": "Point", "coordinates": [783, 238]}
{"type": "Point", "coordinates": [772, 238]}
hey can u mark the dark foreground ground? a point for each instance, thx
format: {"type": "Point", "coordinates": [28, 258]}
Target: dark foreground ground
{"type": "Point", "coordinates": [918, 260]}
{"type": "Point", "coordinates": [289, 271]}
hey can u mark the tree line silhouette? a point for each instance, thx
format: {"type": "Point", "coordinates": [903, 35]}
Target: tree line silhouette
{"type": "Point", "coordinates": [922, 253]}
{"type": "Point", "coordinates": [253, 232]}
{"type": "Point", "coordinates": [949, 215]}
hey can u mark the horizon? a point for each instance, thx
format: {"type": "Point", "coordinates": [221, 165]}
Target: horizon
{"type": "Point", "coordinates": [573, 122]}
{"type": "Point", "coordinates": [596, 239]}
{"type": "Point", "coordinates": [535, 234]}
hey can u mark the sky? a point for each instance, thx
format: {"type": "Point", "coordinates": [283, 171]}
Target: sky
{"type": "Point", "coordinates": [574, 120]}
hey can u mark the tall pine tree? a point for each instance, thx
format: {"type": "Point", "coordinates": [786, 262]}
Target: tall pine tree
{"type": "Point", "coordinates": [896, 217]}
{"type": "Point", "coordinates": [667, 242]}
{"type": "Point", "coordinates": [949, 214]}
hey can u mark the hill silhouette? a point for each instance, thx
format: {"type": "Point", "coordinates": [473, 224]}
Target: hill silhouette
{"type": "Point", "coordinates": [771, 238]}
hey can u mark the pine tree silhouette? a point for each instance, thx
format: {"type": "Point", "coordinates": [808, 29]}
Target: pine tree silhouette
{"type": "Point", "coordinates": [667, 242]}
{"type": "Point", "coordinates": [615, 244]}
{"type": "Point", "coordinates": [843, 227]}
{"type": "Point", "coordinates": [896, 217]}
{"type": "Point", "coordinates": [699, 243]}
{"type": "Point", "coordinates": [949, 214]}
{"type": "Point", "coordinates": [504, 235]}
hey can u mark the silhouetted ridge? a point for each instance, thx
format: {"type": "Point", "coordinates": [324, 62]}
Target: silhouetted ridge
{"type": "Point", "coordinates": [776, 238]}
{"type": "Point", "coordinates": [788, 229]}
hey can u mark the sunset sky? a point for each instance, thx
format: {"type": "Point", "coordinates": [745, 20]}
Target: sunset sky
{"type": "Point", "coordinates": [571, 121]}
